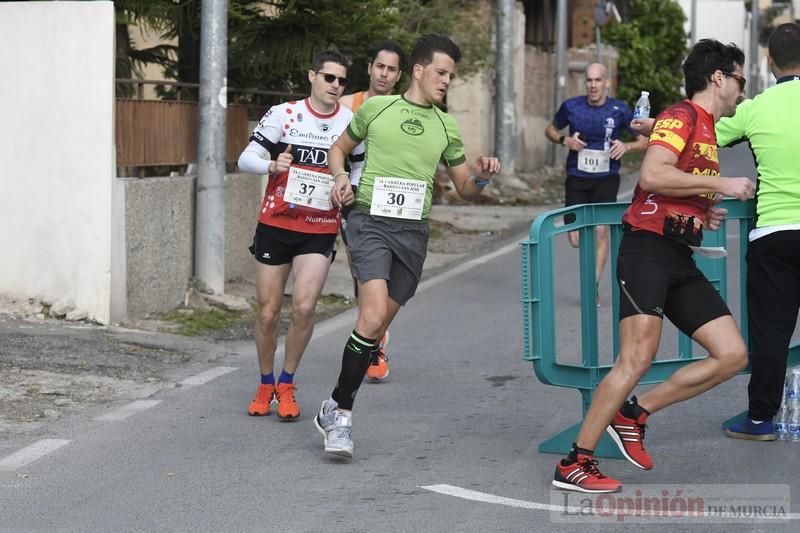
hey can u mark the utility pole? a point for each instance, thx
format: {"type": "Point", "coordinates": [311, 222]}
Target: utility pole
{"type": "Point", "coordinates": [602, 12]}
{"type": "Point", "coordinates": [693, 27]}
{"type": "Point", "coordinates": [754, 84]}
{"type": "Point", "coordinates": [504, 85]}
{"type": "Point", "coordinates": [209, 264]}
{"type": "Point", "coordinates": [561, 65]}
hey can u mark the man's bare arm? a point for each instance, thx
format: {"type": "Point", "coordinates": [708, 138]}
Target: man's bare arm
{"type": "Point", "coordinates": [659, 174]}
{"type": "Point", "coordinates": [341, 193]}
{"type": "Point", "coordinates": [552, 133]}
{"type": "Point", "coordinates": [468, 185]}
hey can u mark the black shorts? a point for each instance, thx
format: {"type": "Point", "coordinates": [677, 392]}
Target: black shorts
{"type": "Point", "coordinates": [658, 277]}
{"type": "Point", "coordinates": [278, 246]}
{"type": "Point", "coordinates": [589, 191]}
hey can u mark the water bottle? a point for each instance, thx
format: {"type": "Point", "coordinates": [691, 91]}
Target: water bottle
{"type": "Point", "coordinates": [792, 402]}
{"type": "Point", "coordinates": [642, 109]}
{"type": "Point", "coordinates": [792, 391]}
{"type": "Point", "coordinates": [793, 432]}
{"type": "Point", "coordinates": [782, 422]}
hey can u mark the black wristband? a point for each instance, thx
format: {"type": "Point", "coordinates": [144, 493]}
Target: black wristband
{"type": "Point", "coordinates": [561, 140]}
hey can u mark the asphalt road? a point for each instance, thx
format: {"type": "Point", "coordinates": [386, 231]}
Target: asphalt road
{"type": "Point", "coordinates": [459, 419]}
{"type": "Point", "coordinates": [449, 443]}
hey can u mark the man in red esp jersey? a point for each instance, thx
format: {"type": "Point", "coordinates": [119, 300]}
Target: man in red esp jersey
{"type": "Point", "coordinates": [675, 199]}
{"type": "Point", "coordinates": [297, 224]}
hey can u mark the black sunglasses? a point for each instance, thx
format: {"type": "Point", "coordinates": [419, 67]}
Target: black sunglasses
{"type": "Point", "coordinates": [738, 78]}
{"type": "Point", "coordinates": [330, 78]}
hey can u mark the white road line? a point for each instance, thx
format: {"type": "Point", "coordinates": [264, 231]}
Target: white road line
{"type": "Point", "coordinates": [128, 410]}
{"type": "Point", "coordinates": [475, 496]}
{"type": "Point", "coordinates": [472, 263]}
{"type": "Point", "coordinates": [208, 375]}
{"type": "Point", "coordinates": [30, 453]}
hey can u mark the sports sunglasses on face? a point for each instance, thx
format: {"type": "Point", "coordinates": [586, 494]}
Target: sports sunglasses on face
{"type": "Point", "coordinates": [330, 78]}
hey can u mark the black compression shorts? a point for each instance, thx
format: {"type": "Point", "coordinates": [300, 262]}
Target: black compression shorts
{"type": "Point", "coordinates": [658, 277]}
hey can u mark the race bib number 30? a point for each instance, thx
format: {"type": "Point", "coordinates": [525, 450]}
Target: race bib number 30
{"type": "Point", "coordinates": [593, 161]}
{"type": "Point", "coordinates": [309, 188]}
{"type": "Point", "coordinates": [398, 198]}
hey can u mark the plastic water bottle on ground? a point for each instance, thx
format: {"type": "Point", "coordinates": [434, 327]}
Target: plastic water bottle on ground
{"type": "Point", "coordinates": [792, 402]}
{"type": "Point", "coordinates": [642, 109]}
{"type": "Point", "coordinates": [782, 422]}
{"type": "Point", "coordinates": [793, 432]}
{"type": "Point", "coordinates": [792, 390]}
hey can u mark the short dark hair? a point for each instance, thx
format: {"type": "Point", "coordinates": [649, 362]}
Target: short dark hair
{"type": "Point", "coordinates": [784, 46]}
{"type": "Point", "coordinates": [429, 44]}
{"type": "Point", "coordinates": [705, 58]}
{"type": "Point", "coordinates": [387, 46]}
{"type": "Point", "coordinates": [332, 56]}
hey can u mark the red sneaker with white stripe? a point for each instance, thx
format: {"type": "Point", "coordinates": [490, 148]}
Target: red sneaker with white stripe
{"type": "Point", "coordinates": [628, 434]}
{"type": "Point", "coordinates": [583, 476]}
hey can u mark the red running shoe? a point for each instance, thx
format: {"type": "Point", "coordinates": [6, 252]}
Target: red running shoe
{"type": "Point", "coordinates": [583, 476]}
{"type": "Point", "coordinates": [628, 434]}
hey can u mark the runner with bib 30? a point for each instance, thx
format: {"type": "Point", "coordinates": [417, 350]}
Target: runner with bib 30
{"type": "Point", "coordinates": [405, 137]}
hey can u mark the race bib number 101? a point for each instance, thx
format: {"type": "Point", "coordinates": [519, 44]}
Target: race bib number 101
{"type": "Point", "coordinates": [593, 161]}
{"type": "Point", "coordinates": [398, 198]}
{"type": "Point", "coordinates": [308, 188]}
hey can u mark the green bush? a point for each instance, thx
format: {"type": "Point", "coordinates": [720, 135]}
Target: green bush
{"type": "Point", "coordinates": [652, 46]}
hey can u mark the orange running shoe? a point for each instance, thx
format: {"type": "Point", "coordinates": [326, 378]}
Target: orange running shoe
{"type": "Point", "coordinates": [260, 404]}
{"type": "Point", "coordinates": [287, 405]}
{"type": "Point", "coordinates": [378, 368]}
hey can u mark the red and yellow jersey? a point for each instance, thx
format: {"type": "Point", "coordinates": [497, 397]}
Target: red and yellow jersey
{"type": "Point", "coordinates": [687, 130]}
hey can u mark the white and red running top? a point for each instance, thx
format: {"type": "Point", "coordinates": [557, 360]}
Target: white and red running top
{"type": "Point", "coordinates": [297, 200]}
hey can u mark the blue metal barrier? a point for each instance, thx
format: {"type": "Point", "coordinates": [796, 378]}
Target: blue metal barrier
{"type": "Point", "coordinates": [538, 304]}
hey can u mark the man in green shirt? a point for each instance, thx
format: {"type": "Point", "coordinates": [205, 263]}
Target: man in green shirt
{"type": "Point", "coordinates": [406, 136]}
{"type": "Point", "coordinates": [769, 122]}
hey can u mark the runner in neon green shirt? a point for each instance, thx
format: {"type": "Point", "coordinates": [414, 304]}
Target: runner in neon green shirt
{"type": "Point", "coordinates": [406, 138]}
{"type": "Point", "coordinates": [408, 128]}
{"type": "Point", "coordinates": [769, 122]}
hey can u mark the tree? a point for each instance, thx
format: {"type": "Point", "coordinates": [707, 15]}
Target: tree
{"type": "Point", "coordinates": [158, 15]}
{"type": "Point", "coordinates": [271, 43]}
{"type": "Point", "coordinates": [652, 46]}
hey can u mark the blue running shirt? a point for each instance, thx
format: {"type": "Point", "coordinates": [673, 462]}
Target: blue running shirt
{"type": "Point", "coordinates": [599, 125]}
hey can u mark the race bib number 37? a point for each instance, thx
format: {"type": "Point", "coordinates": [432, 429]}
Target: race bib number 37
{"type": "Point", "coordinates": [398, 198]}
{"type": "Point", "coordinates": [593, 161]}
{"type": "Point", "coordinates": [308, 188]}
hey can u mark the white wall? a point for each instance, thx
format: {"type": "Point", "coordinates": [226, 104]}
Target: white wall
{"type": "Point", "coordinates": [56, 151]}
{"type": "Point", "coordinates": [723, 20]}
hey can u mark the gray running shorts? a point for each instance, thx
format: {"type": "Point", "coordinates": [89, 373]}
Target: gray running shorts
{"type": "Point", "coordinates": [387, 248]}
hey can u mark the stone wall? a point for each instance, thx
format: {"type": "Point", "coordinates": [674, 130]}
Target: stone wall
{"type": "Point", "coordinates": [159, 234]}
